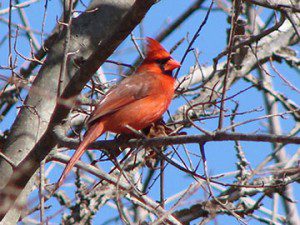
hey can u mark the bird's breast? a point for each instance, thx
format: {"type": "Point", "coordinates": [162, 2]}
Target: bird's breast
{"type": "Point", "coordinates": [142, 112]}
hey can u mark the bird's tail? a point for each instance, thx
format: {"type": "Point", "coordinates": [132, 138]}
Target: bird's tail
{"type": "Point", "coordinates": [96, 130]}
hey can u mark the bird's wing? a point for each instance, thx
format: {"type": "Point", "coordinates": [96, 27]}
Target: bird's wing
{"type": "Point", "coordinates": [128, 90]}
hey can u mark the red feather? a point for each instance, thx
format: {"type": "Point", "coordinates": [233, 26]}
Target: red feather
{"type": "Point", "coordinates": [137, 101]}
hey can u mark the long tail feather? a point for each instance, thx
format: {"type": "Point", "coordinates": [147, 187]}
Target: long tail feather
{"type": "Point", "coordinates": [91, 135]}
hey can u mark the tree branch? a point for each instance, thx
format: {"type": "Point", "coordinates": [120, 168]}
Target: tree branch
{"type": "Point", "coordinates": [32, 137]}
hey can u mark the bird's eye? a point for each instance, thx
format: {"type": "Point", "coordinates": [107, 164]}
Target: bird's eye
{"type": "Point", "coordinates": [163, 61]}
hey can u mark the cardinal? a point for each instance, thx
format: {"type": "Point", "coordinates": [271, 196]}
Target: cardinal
{"type": "Point", "coordinates": [135, 103]}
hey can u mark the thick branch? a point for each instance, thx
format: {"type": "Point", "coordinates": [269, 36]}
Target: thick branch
{"type": "Point", "coordinates": [173, 140]}
{"type": "Point", "coordinates": [95, 35]}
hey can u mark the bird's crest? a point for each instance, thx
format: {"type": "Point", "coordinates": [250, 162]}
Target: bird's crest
{"type": "Point", "coordinates": [155, 50]}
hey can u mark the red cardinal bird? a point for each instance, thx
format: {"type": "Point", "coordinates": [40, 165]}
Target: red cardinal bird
{"type": "Point", "coordinates": [137, 101]}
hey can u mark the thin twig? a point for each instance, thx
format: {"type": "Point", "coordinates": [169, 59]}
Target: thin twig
{"type": "Point", "coordinates": [14, 7]}
{"type": "Point", "coordinates": [162, 183]}
{"type": "Point", "coordinates": [68, 11]}
{"type": "Point", "coordinates": [41, 191]}
{"type": "Point", "coordinates": [236, 11]}
{"type": "Point", "coordinates": [196, 35]}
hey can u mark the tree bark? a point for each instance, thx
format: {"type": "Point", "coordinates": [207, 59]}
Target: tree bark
{"type": "Point", "coordinates": [95, 34]}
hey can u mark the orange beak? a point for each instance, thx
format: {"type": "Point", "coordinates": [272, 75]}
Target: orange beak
{"type": "Point", "coordinates": [171, 65]}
